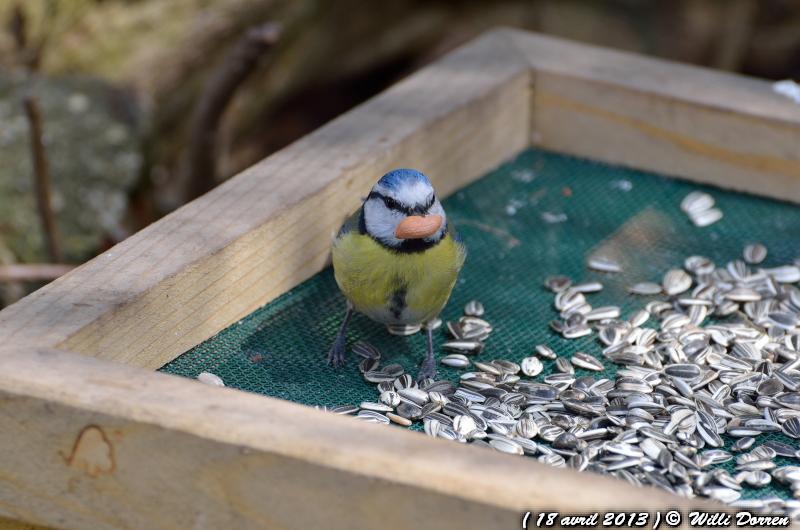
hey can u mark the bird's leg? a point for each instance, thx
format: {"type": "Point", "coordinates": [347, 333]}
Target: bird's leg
{"type": "Point", "coordinates": [339, 346]}
{"type": "Point", "coordinates": [428, 368]}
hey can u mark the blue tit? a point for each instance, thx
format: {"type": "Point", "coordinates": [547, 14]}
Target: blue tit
{"type": "Point", "coordinates": [396, 260]}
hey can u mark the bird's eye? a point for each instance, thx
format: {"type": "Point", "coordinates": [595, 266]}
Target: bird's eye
{"type": "Point", "coordinates": [391, 203]}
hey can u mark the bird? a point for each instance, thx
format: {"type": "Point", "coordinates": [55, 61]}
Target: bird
{"type": "Point", "coordinates": [396, 260]}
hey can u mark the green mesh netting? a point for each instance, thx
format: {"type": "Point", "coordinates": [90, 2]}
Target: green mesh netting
{"type": "Point", "coordinates": [634, 216]}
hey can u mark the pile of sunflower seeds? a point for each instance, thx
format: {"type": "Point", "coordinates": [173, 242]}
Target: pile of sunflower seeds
{"type": "Point", "coordinates": [699, 206]}
{"type": "Point", "coordinates": [722, 357]}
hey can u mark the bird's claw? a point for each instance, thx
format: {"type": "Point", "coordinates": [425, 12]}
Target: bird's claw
{"type": "Point", "coordinates": [337, 351]}
{"type": "Point", "coordinates": [427, 370]}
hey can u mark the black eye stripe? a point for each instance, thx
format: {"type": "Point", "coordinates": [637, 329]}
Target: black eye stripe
{"type": "Point", "coordinates": [389, 202]}
{"type": "Point", "coordinates": [430, 201]}
{"type": "Point", "coordinates": [394, 205]}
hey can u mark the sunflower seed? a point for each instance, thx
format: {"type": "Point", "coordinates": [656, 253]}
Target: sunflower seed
{"type": "Point", "coordinates": [210, 379]}
{"type": "Point", "coordinates": [455, 360]}
{"type": "Point", "coordinates": [563, 365]}
{"type": "Point", "coordinates": [390, 398]}
{"type": "Point", "coordinates": [787, 474]}
{"type": "Point", "coordinates": [791, 427]}
{"type": "Point", "coordinates": [754, 253]}
{"type": "Point", "coordinates": [394, 370]}
{"type": "Point", "coordinates": [697, 201]}
{"type": "Point", "coordinates": [683, 371]}
{"type": "Point", "coordinates": [698, 265]}
{"type": "Point", "coordinates": [404, 381]}
{"type": "Point", "coordinates": [645, 288]}
{"type": "Point", "coordinates": [603, 313]}
{"type": "Point", "coordinates": [367, 365]}
{"type": "Point", "coordinates": [588, 287]}
{"type": "Point", "coordinates": [344, 409]}
{"type": "Point", "coordinates": [706, 217]}
{"type": "Point", "coordinates": [781, 449]}
{"type": "Point", "coordinates": [783, 319]}
{"type": "Point", "coordinates": [743, 294]}
{"type": "Point", "coordinates": [377, 407]}
{"type": "Point", "coordinates": [587, 362]}
{"type": "Point", "coordinates": [743, 444]}
{"type": "Point", "coordinates": [676, 281]}
{"type": "Point", "coordinates": [464, 424]}
{"type": "Point", "coordinates": [409, 410]}
{"type": "Point", "coordinates": [471, 347]}
{"type": "Point", "coordinates": [365, 350]}
{"type": "Point", "coordinates": [507, 446]}
{"type": "Point", "coordinates": [603, 264]}
{"type": "Point", "coordinates": [721, 494]}
{"type": "Point", "coordinates": [372, 416]}
{"type": "Point", "coordinates": [757, 479]}
{"type": "Point", "coordinates": [557, 283]}
{"type": "Point", "coordinates": [488, 368]}
{"type": "Point", "coordinates": [785, 273]}
{"type": "Point", "coordinates": [553, 459]}
{"type": "Point", "coordinates": [576, 332]}
{"type": "Point", "coordinates": [545, 352]}
{"type": "Point", "coordinates": [531, 366]}
{"type": "Point", "coordinates": [414, 395]}
{"type": "Point", "coordinates": [473, 308]}
{"type": "Point", "coordinates": [431, 427]}
{"type": "Point", "coordinates": [526, 428]}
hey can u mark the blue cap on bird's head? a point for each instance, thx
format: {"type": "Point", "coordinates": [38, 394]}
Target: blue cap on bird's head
{"type": "Point", "coordinates": [397, 177]}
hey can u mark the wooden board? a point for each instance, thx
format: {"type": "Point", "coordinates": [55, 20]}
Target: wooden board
{"type": "Point", "coordinates": [125, 448]}
{"type": "Point", "coordinates": [215, 260]}
{"type": "Point", "coordinates": [90, 443]}
{"type": "Point", "coordinates": [700, 124]}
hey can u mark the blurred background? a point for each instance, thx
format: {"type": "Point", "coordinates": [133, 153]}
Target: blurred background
{"type": "Point", "coordinates": [115, 112]}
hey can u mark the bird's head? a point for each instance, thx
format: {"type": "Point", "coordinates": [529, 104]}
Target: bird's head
{"type": "Point", "coordinates": [402, 211]}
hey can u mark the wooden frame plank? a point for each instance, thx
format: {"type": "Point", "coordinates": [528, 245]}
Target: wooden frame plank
{"type": "Point", "coordinates": [218, 258]}
{"type": "Point", "coordinates": [703, 125]}
{"type": "Point", "coordinates": [103, 445]}
{"type": "Point", "coordinates": [126, 448]}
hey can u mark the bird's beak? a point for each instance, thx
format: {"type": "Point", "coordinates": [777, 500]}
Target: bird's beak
{"type": "Point", "coordinates": [418, 226]}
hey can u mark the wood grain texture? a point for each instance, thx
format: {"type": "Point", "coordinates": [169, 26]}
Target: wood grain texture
{"type": "Point", "coordinates": [215, 260]}
{"type": "Point", "coordinates": [700, 124]}
{"type": "Point", "coordinates": [11, 524]}
{"type": "Point", "coordinates": [120, 447]}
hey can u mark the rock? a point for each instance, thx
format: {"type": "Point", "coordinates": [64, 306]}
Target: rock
{"type": "Point", "coordinates": [92, 141]}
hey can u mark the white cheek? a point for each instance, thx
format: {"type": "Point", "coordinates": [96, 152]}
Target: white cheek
{"type": "Point", "coordinates": [437, 209]}
{"type": "Point", "coordinates": [381, 222]}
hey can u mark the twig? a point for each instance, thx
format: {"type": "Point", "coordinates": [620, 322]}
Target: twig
{"type": "Point", "coordinates": [17, 26]}
{"type": "Point", "coordinates": [237, 64]}
{"type": "Point", "coordinates": [42, 179]}
{"type": "Point", "coordinates": [32, 272]}
{"type": "Point", "coordinates": [28, 54]}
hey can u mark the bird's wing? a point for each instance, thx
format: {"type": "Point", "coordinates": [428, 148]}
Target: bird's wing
{"type": "Point", "coordinates": [352, 223]}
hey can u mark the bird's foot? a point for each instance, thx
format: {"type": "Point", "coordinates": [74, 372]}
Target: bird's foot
{"type": "Point", "coordinates": [337, 351]}
{"type": "Point", "coordinates": [427, 369]}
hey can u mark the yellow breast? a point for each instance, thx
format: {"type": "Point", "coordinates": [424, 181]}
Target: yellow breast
{"type": "Point", "coordinates": [395, 287]}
